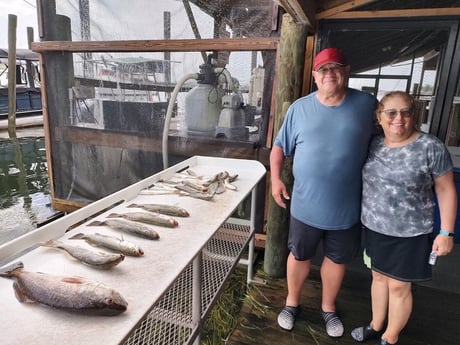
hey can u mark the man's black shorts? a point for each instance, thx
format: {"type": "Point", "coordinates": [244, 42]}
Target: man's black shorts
{"type": "Point", "coordinates": [341, 246]}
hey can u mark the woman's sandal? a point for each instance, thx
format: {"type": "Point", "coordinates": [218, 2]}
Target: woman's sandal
{"type": "Point", "coordinates": [384, 342]}
{"type": "Point", "coordinates": [365, 333]}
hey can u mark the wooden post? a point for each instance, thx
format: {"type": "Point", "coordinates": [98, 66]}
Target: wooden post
{"type": "Point", "coordinates": [29, 65]}
{"type": "Point", "coordinates": [167, 36]}
{"type": "Point", "coordinates": [57, 75]}
{"type": "Point", "coordinates": [291, 56]}
{"type": "Point", "coordinates": [12, 26]}
{"type": "Point", "coordinates": [192, 21]}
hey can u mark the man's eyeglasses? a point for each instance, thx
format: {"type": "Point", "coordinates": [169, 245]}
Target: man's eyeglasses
{"type": "Point", "coordinates": [392, 113]}
{"type": "Point", "coordinates": [333, 69]}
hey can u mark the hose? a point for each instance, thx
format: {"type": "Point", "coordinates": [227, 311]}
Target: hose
{"type": "Point", "coordinates": [169, 114]}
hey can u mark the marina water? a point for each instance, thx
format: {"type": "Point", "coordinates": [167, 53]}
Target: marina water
{"type": "Point", "coordinates": [25, 201]}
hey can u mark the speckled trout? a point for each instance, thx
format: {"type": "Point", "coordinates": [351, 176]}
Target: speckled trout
{"type": "Point", "coordinates": [169, 210]}
{"type": "Point", "coordinates": [64, 292]}
{"type": "Point", "coordinates": [110, 242]}
{"type": "Point", "coordinates": [94, 259]}
{"type": "Point", "coordinates": [128, 226]}
{"type": "Point", "coordinates": [148, 218]}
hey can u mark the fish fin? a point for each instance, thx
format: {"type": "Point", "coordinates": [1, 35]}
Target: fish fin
{"type": "Point", "coordinates": [21, 295]}
{"type": "Point", "coordinates": [72, 280]}
{"type": "Point", "coordinates": [133, 205]}
{"type": "Point", "coordinates": [78, 236]}
{"type": "Point", "coordinates": [96, 223]}
{"type": "Point", "coordinates": [7, 270]}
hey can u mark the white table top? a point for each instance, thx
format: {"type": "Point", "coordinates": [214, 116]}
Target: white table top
{"type": "Point", "coordinates": [141, 280]}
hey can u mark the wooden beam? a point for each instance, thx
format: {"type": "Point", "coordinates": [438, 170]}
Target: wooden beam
{"type": "Point", "coordinates": [182, 45]}
{"type": "Point", "coordinates": [177, 145]}
{"type": "Point", "coordinates": [259, 240]}
{"type": "Point", "coordinates": [425, 12]}
{"type": "Point", "coordinates": [308, 65]}
{"type": "Point", "coordinates": [302, 12]}
{"type": "Point", "coordinates": [342, 8]}
{"type": "Point", "coordinates": [288, 88]}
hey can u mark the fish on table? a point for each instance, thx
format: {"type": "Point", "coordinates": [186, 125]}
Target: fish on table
{"type": "Point", "coordinates": [94, 259]}
{"type": "Point", "coordinates": [64, 292]}
{"type": "Point", "coordinates": [193, 185]}
{"type": "Point", "coordinates": [169, 210]}
{"type": "Point", "coordinates": [148, 218]}
{"type": "Point", "coordinates": [129, 227]}
{"type": "Point", "coordinates": [110, 242]}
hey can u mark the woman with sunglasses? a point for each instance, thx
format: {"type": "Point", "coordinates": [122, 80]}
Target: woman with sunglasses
{"type": "Point", "coordinates": [402, 168]}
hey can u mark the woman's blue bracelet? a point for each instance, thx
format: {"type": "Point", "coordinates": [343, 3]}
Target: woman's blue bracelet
{"type": "Point", "coordinates": [446, 233]}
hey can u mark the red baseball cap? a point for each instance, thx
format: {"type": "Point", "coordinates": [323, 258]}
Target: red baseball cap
{"type": "Point", "coordinates": [329, 55]}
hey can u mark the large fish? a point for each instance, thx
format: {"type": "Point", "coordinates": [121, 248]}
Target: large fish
{"type": "Point", "coordinates": [148, 218]}
{"type": "Point", "coordinates": [89, 257]}
{"type": "Point", "coordinates": [169, 210]}
{"type": "Point", "coordinates": [128, 226]}
{"type": "Point", "coordinates": [110, 242]}
{"type": "Point", "coordinates": [64, 292]}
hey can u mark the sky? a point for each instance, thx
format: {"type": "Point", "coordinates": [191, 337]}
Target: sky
{"type": "Point", "coordinates": [26, 13]}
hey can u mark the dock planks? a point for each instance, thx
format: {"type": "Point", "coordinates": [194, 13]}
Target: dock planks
{"type": "Point", "coordinates": [434, 321]}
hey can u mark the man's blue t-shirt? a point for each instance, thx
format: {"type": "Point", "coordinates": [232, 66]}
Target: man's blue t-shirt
{"type": "Point", "coordinates": [330, 145]}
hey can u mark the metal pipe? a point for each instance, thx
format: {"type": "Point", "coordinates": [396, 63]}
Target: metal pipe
{"type": "Point", "coordinates": [169, 114]}
{"type": "Point", "coordinates": [228, 78]}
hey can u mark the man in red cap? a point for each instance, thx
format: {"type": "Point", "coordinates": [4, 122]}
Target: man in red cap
{"type": "Point", "coordinates": [327, 132]}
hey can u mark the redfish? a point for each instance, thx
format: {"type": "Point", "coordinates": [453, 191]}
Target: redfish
{"type": "Point", "coordinates": [64, 292]}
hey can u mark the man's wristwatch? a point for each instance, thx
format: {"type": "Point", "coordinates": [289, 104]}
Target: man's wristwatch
{"type": "Point", "coordinates": [446, 233]}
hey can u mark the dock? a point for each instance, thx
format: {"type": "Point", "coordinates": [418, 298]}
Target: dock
{"type": "Point", "coordinates": [435, 318]}
{"type": "Point", "coordinates": [26, 126]}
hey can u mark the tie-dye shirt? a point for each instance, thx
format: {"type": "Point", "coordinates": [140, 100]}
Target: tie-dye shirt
{"type": "Point", "coordinates": [398, 187]}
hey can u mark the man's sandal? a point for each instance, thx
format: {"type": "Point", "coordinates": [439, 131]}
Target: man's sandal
{"type": "Point", "coordinates": [334, 326]}
{"type": "Point", "coordinates": [361, 334]}
{"type": "Point", "coordinates": [287, 316]}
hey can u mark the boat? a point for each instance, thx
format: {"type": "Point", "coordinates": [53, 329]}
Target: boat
{"type": "Point", "coordinates": [28, 93]}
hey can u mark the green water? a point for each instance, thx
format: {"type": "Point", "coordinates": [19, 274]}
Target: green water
{"type": "Point", "coordinates": [24, 187]}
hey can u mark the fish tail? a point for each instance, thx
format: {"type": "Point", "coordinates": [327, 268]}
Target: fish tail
{"type": "Point", "coordinates": [49, 243]}
{"type": "Point", "coordinates": [114, 215]}
{"type": "Point", "coordinates": [96, 223]}
{"type": "Point", "coordinates": [7, 271]}
{"type": "Point", "coordinates": [78, 236]}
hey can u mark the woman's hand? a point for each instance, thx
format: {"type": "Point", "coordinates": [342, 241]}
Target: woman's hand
{"type": "Point", "coordinates": [443, 244]}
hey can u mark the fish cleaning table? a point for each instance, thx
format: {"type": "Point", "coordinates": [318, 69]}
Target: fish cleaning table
{"type": "Point", "coordinates": [170, 290]}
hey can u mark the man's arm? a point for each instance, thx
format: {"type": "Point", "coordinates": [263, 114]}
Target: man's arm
{"type": "Point", "coordinates": [279, 191]}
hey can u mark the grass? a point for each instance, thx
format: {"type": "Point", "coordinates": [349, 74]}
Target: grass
{"type": "Point", "coordinates": [224, 315]}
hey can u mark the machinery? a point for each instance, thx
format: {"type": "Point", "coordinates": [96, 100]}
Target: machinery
{"type": "Point", "coordinates": [211, 109]}
{"type": "Point", "coordinates": [232, 121]}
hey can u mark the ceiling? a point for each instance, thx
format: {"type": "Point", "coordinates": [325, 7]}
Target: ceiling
{"type": "Point", "coordinates": [258, 18]}
{"type": "Point", "coordinates": [381, 43]}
